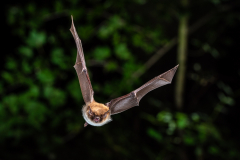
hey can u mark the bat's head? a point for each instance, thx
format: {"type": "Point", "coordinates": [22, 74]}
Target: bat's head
{"type": "Point", "coordinates": [96, 114]}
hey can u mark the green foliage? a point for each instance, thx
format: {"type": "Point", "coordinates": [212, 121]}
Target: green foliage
{"type": "Point", "coordinates": [154, 134]}
{"type": "Point", "coordinates": [113, 24]}
{"type": "Point", "coordinates": [36, 39]}
{"type": "Point", "coordinates": [122, 52]}
{"type": "Point", "coordinates": [102, 53]}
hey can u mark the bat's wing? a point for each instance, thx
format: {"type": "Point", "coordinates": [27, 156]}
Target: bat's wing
{"type": "Point", "coordinates": [81, 68]}
{"type": "Point", "coordinates": [132, 99]}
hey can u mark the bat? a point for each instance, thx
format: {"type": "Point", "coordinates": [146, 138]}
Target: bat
{"type": "Point", "coordinates": [98, 114]}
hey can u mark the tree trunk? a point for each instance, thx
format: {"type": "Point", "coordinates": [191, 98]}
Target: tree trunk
{"type": "Point", "coordinates": [182, 56]}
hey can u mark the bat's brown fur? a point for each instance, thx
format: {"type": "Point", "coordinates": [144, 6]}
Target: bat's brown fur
{"type": "Point", "coordinates": [98, 109]}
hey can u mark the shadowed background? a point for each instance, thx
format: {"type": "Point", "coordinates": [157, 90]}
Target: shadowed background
{"type": "Point", "coordinates": [126, 43]}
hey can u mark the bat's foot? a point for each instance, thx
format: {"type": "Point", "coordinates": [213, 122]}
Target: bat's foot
{"type": "Point", "coordinates": [85, 124]}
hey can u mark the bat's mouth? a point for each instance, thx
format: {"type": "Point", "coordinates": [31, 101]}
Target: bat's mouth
{"type": "Point", "coordinates": [96, 119]}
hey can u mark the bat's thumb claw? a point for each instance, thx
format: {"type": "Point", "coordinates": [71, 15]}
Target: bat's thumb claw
{"type": "Point", "coordinates": [85, 124]}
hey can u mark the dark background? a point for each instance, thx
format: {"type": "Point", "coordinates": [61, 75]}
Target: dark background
{"type": "Point", "coordinates": [126, 43]}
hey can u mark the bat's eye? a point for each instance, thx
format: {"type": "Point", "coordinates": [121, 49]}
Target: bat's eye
{"type": "Point", "coordinates": [90, 112]}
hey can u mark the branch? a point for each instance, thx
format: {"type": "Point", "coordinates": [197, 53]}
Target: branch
{"type": "Point", "coordinates": [182, 60]}
{"type": "Point", "coordinates": [155, 57]}
{"type": "Point", "coordinates": [162, 51]}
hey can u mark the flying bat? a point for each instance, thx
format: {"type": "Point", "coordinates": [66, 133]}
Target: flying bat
{"type": "Point", "coordinates": [98, 114]}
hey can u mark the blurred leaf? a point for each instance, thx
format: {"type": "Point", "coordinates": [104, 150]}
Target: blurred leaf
{"type": "Point", "coordinates": [129, 68]}
{"type": "Point", "coordinates": [36, 39]}
{"type": "Point", "coordinates": [149, 117]}
{"type": "Point", "coordinates": [111, 66]}
{"type": "Point", "coordinates": [213, 150]}
{"type": "Point", "coordinates": [102, 53]}
{"type": "Point", "coordinates": [8, 77]}
{"type": "Point", "coordinates": [215, 53]}
{"type": "Point", "coordinates": [206, 47]}
{"type": "Point", "coordinates": [12, 14]}
{"type": "Point", "coordinates": [26, 67]}
{"type": "Point", "coordinates": [195, 117]}
{"type": "Point", "coordinates": [58, 58]}
{"type": "Point", "coordinates": [11, 102]}
{"type": "Point", "coordinates": [58, 6]}
{"type": "Point", "coordinates": [122, 51]}
{"type": "Point", "coordinates": [11, 64]}
{"type": "Point", "coordinates": [216, 1]}
{"type": "Point", "coordinates": [45, 76]}
{"type": "Point", "coordinates": [206, 130]}
{"type": "Point", "coordinates": [85, 32]}
{"type": "Point", "coordinates": [36, 113]}
{"type": "Point", "coordinates": [182, 120]}
{"type": "Point", "coordinates": [154, 134]}
{"type": "Point", "coordinates": [137, 40]}
{"type": "Point", "coordinates": [31, 8]}
{"type": "Point", "coordinates": [55, 96]}
{"type": "Point", "coordinates": [226, 99]}
{"type": "Point", "coordinates": [198, 151]}
{"type": "Point", "coordinates": [75, 93]}
{"type": "Point", "coordinates": [140, 1]}
{"type": "Point", "coordinates": [114, 23]}
{"type": "Point", "coordinates": [171, 127]}
{"type": "Point", "coordinates": [189, 139]}
{"type": "Point", "coordinates": [34, 91]}
{"type": "Point", "coordinates": [164, 116]}
{"type": "Point", "coordinates": [225, 87]}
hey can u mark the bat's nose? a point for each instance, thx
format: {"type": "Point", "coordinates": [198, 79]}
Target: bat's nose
{"type": "Point", "coordinates": [97, 119]}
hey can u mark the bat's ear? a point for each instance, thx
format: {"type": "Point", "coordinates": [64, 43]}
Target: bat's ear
{"type": "Point", "coordinates": [105, 114]}
{"type": "Point", "coordinates": [107, 104]}
{"type": "Point", "coordinates": [90, 111]}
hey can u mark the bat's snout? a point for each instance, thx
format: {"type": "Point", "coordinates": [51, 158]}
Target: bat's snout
{"type": "Point", "coordinates": [97, 119]}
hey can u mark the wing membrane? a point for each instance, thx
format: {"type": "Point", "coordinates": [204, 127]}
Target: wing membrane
{"type": "Point", "coordinates": [81, 69]}
{"type": "Point", "coordinates": [132, 99]}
